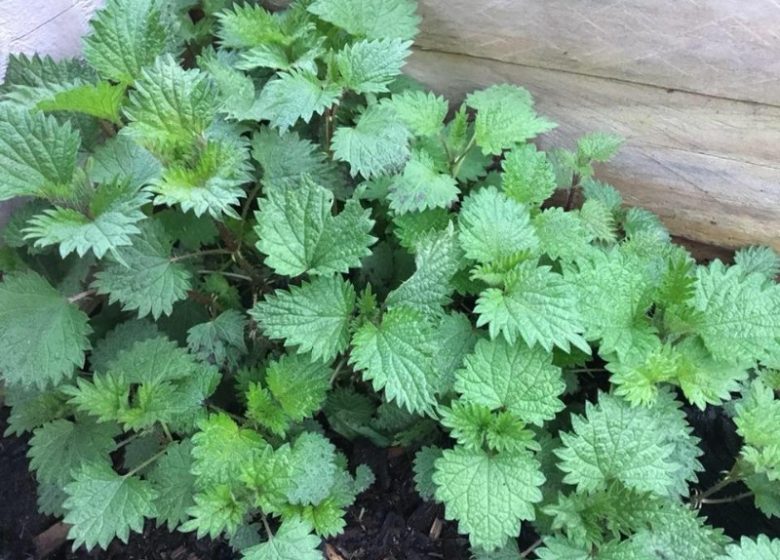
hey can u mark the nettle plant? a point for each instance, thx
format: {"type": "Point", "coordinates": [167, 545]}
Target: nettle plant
{"type": "Point", "coordinates": [246, 231]}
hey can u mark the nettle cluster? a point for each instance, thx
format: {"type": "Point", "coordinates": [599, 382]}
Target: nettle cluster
{"type": "Point", "coordinates": [246, 231]}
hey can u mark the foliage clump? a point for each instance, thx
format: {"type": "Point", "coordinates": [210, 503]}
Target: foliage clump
{"type": "Point", "coordinates": [247, 231]}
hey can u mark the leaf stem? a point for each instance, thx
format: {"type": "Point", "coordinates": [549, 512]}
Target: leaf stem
{"type": "Point", "coordinates": [146, 463]}
{"type": "Point", "coordinates": [128, 439]}
{"type": "Point", "coordinates": [456, 165]}
{"type": "Point", "coordinates": [575, 182]}
{"type": "Point", "coordinates": [200, 254]}
{"type": "Point", "coordinates": [166, 431]}
{"type": "Point", "coordinates": [732, 476]}
{"type": "Point", "coordinates": [730, 499]}
{"type": "Point", "coordinates": [267, 526]}
{"type": "Point", "coordinates": [81, 295]}
{"type": "Point", "coordinates": [228, 274]}
{"type": "Point", "coordinates": [527, 552]}
{"type": "Point", "coordinates": [337, 370]}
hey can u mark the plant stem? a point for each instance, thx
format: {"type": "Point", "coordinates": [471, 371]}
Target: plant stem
{"type": "Point", "coordinates": [235, 417]}
{"type": "Point", "coordinates": [456, 165]}
{"type": "Point", "coordinates": [146, 463]}
{"type": "Point", "coordinates": [228, 274]}
{"type": "Point", "coordinates": [731, 477]}
{"type": "Point", "coordinates": [527, 552]}
{"type": "Point", "coordinates": [267, 527]}
{"type": "Point", "coordinates": [730, 499]}
{"type": "Point", "coordinates": [337, 370]}
{"type": "Point", "coordinates": [575, 182]}
{"type": "Point", "coordinates": [81, 295]}
{"type": "Point", "coordinates": [201, 254]}
{"type": "Point", "coordinates": [128, 439]}
{"type": "Point", "coordinates": [166, 431]}
{"type": "Point", "coordinates": [247, 204]}
{"type": "Point", "coordinates": [328, 130]}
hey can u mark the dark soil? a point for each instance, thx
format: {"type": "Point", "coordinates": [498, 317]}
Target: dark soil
{"type": "Point", "coordinates": [388, 522]}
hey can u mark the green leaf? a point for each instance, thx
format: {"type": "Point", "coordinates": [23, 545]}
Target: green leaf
{"type": "Point", "coordinates": [217, 509]}
{"type": "Point", "coordinates": [61, 446]}
{"type": "Point", "coordinates": [169, 107]}
{"type": "Point", "coordinates": [126, 36]}
{"type": "Point", "coordinates": [146, 279]}
{"type": "Point", "coordinates": [538, 305]}
{"type": "Point", "coordinates": [372, 19]}
{"type": "Point", "coordinates": [424, 461]}
{"type": "Point", "coordinates": [423, 113]}
{"type": "Point", "coordinates": [110, 223]}
{"type": "Point", "coordinates": [615, 442]}
{"type": "Point", "coordinates": [598, 146]}
{"type": "Point", "coordinates": [528, 176]}
{"type": "Point", "coordinates": [505, 118]}
{"type": "Point", "coordinates": [369, 66]}
{"type": "Point", "coordinates": [121, 160]}
{"type": "Point", "coordinates": [286, 157]}
{"type": "Point", "coordinates": [102, 100]}
{"type": "Point", "coordinates": [220, 340]}
{"type": "Point", "coordinates": [377, 145]}
{"type": "Point", "coordinates": [763, 260]}
{"type": "Point", "coordinates": [312, 469]}
{"type": "Point", "coordinates": [739, 314]}
{"type": "Point", "coordinates": [211, 182]}
{"type": "Point", "coordinates": [296, 94]}
{"type": "Point", "coordinates": [171, 478]}
{"type": "Point", "coordinates": [494, 227]}
{"type": "Point", "coordinates": [298, 385]}
{"type": "Point", "coordinates": [608, 195]}
{"type": "Point", "coordinates": [488, 495]}
{"type": "Point", "coordinates": [397, 356]}
{"type": "Point", "coordinates": [507, 376]}
{"type": "Point", "coordinates": [221, 449]}
{"type": "Point", "coordinates": [31, 408]}
{"type": "Point", "coordinates": [598, 221]}
{"type": "Point", "coordinates": [37, 154]}
{"type": "Point", "coordinates": [314, 316]}
{"type": "Point", "coordinates": [44, 336]}
{"type": "Point", "coordinates": [561, 234]}
{"type": "Point", "coordinates": [414, 227]}
{"type": "Point", "coordinates": [421, 186]}
{"type": "Point", "coordinates": [192, 232]}
{"type": "Point", "coordinates": [298, 232]}
{"type": "Point", "coordinates": [246, 26]}
{"type": "Point", "coordinates": [102, 505]}
{"type": "Point", "coordinates": [438, 258]}
{"type": "Point", "coordinates": [761, 548]}
{"type": "Point", "coordinates": [292, 541]}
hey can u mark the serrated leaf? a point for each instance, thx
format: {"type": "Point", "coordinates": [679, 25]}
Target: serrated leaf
{"type": "Point", "coordinates": [120, 159]}
{"type": "Point", "coordinates": [102, 505]}
{"type": "Point", "coordinates": [493, 227]}
{"type": "Point", "coordinates": [37, 154]}
{"type": "Point", "coordinates": [102, 100]}
{"type": "Point", "coordinates": [438, 258]}
{"type": "Point", "coordinates": [598, 146]}
{"type": "Point", "coordinates": [761, 548]}
{"type": "Point", "coordinates": [61, 446]}
{"type": "Point", "coordinates": [292, 541]}
{"type": "Point", "coordinates": [421, 186]}
{"type": "Point", "coordinates": [110, 223]}
{"type": "Point", "coordinates": [397, 356]}
{"type": "Point", "coordinates": [312, 469]}
{"type": "Point", "coordinates": [413, 227]}
{"type": "Point", "coordinates": [561, 234]}
{"type": "Point", "coordinates": [424, 461]}
{"type": "Point", "coordinates": [126, 36]}
{"type": "Point", "coordinates": [220, 340]}
{"type": "Point", "coordinates": [528, 176]}
{"type": "Point", "coordinates": [174, 483]}
{"type": "Point", "coordinates": [423, 113]}
{"type": "Point", "coordinates": [43, 337]}
{"type": "Point", "coordinates": [608, 195]}
{"type": "Point", "coordinates": [505, 118]}
{"type": "Point", "coordinates": [296, 94]}
{"type": "Point", "coordinates": [148, 281]}
{"type": "Point", "coordinates": [31, 408]}
{"type": "Point", "coordinates": [378, 144]}
{"type": "Point", "coordinates": [217, 510]}
{"type": "Point", "coordinates": [598, 220]}
{"type": "Point", "coordinates": [739, 314]}
{"type": "Point", "coordinates": [314, 316]}
{"type": "Point", "coordinates": [298, 385]}
{"type": "Point", "coordinates": [488, 495]}
{"type": "Point", "coordinates": [372, 19]}
{"type": "Point", "coordinates": [191, 231]}
{"type": "Point", "coordinates": [298, 232]}
{"type": "Point", "coordinates": [169, 107]}
{"type": "Point", "coordinates": [616, 442]}
{"type": "Point", "coordinates": [538, 305]}
{"type": "Point", "coordinates": [763, 260]}
{"type": "Point", "coordinates": [369, 66]}
{"type": "Point", "coordinates": [246, 26]}
{"type": "Point", "coordinates": [513, 377]}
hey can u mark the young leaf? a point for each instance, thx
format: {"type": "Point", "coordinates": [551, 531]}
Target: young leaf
{"type": "Point", "coordinates": [297, 94]}
{"type": "Point", "coordinates": [493, 227]}
{"type": "Point", "coordinates": [598, 146]}
{"type": "Point", "coordinates": [298, 385]}
{"type": "Point", "coordinates": [146, 278]}
{"type": "Point", "coordinates": [292, 541]}
{"type": "Point", "coordinates": [505, 118]}
{"type": "Point", "coordinates": [37, 154]}
{"type": "Point", "coordinates": [369, 66]}
{"type": "Point", "coordinates": [528, 175]}
{"type": "Point", "coordinates": [761, 548]}
{"type": "Point", "coordinates": [126, 36]}
{"type": "Point", "coordinates": [423, 113]}
{"type": "Point", "coordinates": [102, 505]}
{"type": "Point", "coordinates": [315, 316]}
{"type": "Point", "coordinates": [513, 377]}
{"type": "Point", "coordinates": [217, 510]}
{"type": "Point", "coordinates": [298, 232]}
{"type": "Point", "coordinates": [246, 26]}
{"type": "Point", "coordinates": [102, 101]}
{"type": "Point", "coordinates": [421, 186]}
{"type": "Point", "coordinates": [396, 356]}
{"type": "Point", "coordinates": [372, 19]}
{"type": "Point", "coordinates": [220, 340]}
{"type": "Point", "coordinates": [378, 144]}
{"type": "Point", "coordinates": [44, 336]}
{"type": "Point", "coordinates": [488, 495]}
{"type": "Point", "coordinates": [561, 234]}
{"type": "Point", "coordinates": [538, 305]}
{"type": "Point", "coordinates": [764, 260]}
